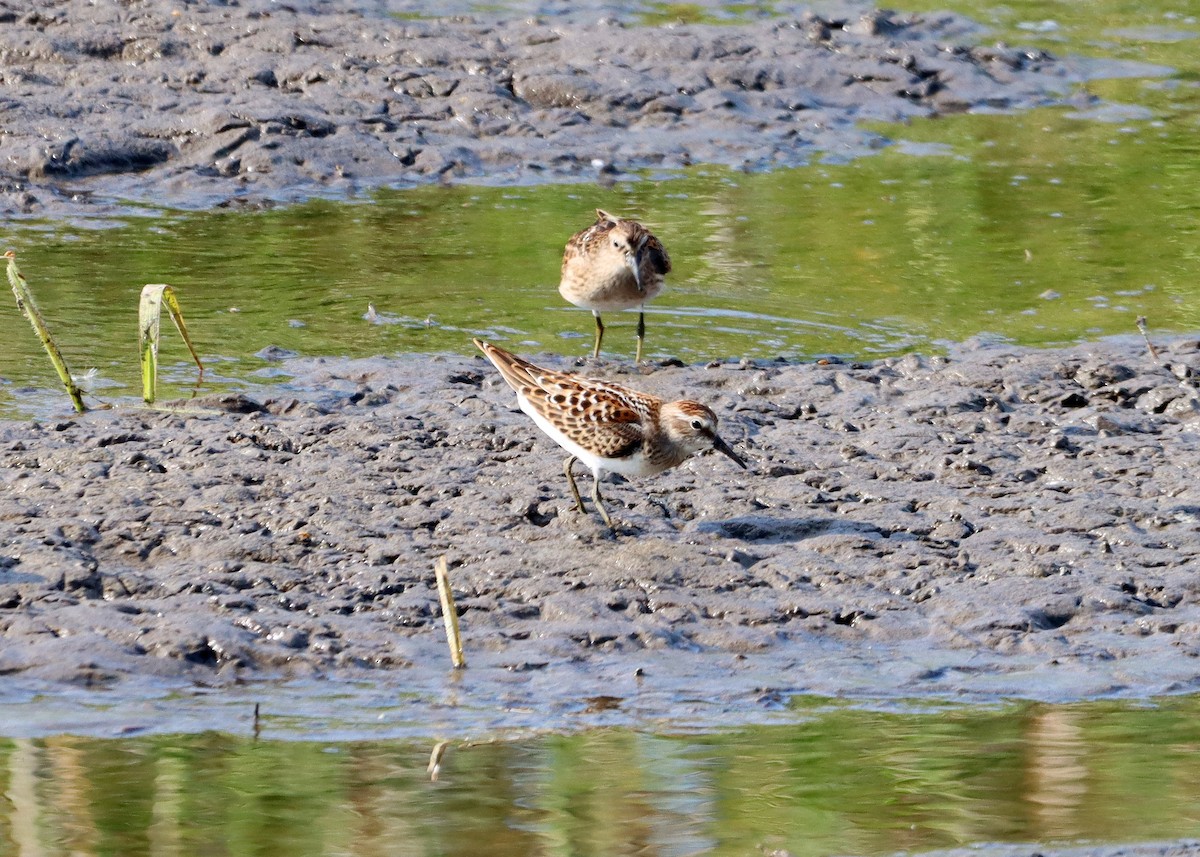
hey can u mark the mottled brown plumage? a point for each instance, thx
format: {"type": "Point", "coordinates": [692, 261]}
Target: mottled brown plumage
{"type": "Point", "coordinates": [606, 426]}
{"type": "Point", "coordinates": [614, 264]}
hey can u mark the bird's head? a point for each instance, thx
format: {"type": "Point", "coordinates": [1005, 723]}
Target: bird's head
{"type": "Point", "coordinates": [624, 241]}
{"type": "Point", "coordinates": [624, 244]}
{"type": "Point", "coordinates": [694, 427]}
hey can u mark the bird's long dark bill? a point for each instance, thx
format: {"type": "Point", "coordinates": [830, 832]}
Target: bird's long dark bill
{"type": "Point", "coordinates": [721, 446]}
{"type": "Point", "coordinates": [634, 262]}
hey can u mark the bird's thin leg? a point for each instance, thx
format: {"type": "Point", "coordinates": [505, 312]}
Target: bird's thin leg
{"type": "Point", "coordinates": [571, 481]}
{"type": "Point", "coordinates": [641, 333]}
{"type": "Point", "coordinates": [600, 503]}
{"type": "Point", "coordinates": [599, 336]}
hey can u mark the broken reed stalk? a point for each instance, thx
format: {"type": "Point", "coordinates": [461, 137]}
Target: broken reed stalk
{"type": "Point", "coordinates": [154, 295]}
{"type": "Point", "coordinates": [27, 305]}
{"type": "Point", "coordinates": [449, 613]}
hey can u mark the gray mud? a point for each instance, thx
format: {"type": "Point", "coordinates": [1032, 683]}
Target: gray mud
{"type": "Point", "coordinates": [202, 104]}
{"type": "Point", "coordinates": [999, 523]}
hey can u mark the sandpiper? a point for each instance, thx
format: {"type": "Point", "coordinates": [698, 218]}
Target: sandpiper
{"type": "Point", "coordinates": [606, 426]}
{"type": "Point", "coordinates": [613, 264]}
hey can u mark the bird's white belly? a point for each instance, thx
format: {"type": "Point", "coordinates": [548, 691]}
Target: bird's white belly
{"type": "Point", "coordinates": [632, 465]}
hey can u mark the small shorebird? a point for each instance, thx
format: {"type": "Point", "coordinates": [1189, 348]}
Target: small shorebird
{"type": "Point", "coordinates": [613, 264]}
{"type": "Point", "coordinates": [606, 426]}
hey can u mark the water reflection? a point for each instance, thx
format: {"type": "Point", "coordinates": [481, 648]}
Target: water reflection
{"type": "Point", "coordinates": [1057, 773]}
{"type": "Point", "coordinates": [838, 781]}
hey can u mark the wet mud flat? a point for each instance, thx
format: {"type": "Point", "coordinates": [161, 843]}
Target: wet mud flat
{"type": "Point", "coordinates": [253, 103]}
{"type": "Point", "coordinates": [1001, 522]}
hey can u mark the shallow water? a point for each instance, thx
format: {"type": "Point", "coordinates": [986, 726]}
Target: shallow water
{"type": "Point", "coordinates": [1046, 227]}
{"type": "Point", "coordinates": [833, 780]}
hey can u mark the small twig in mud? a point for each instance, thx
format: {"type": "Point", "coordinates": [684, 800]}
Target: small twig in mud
{"type": "Point", "coordinates": [257, 722]}
{"type": "Point", "coordinates": [1141, 325]}
{"type": "Point", "coordinates": [449, 613]}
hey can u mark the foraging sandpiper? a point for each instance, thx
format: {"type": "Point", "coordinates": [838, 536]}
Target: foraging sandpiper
{"type": "Point", "coordinates": [606, 426]}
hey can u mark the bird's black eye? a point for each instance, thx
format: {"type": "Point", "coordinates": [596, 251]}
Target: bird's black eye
{"type": "Point", "coordinates": [697, 425]}
{"type": "Point", "coordinates": [616, 243]}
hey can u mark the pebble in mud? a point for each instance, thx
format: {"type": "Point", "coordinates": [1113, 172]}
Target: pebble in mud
{"type": "Point", "coordinates": [1001, 522]}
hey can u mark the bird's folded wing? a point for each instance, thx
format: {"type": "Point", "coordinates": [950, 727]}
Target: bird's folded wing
{"type": "Point", "coordinates": [602, 424]}
{"type": "Point", "coordinates": [657, 254]}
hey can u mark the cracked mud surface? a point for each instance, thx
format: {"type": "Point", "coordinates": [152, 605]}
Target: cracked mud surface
{"type": "Point", "coordinates": [256, 103]}
{"type": "Point", "coordinates": [999, 523]}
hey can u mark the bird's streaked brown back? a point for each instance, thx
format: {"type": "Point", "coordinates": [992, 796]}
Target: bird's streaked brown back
{"type": "Point", "coordinates": [603, 418]}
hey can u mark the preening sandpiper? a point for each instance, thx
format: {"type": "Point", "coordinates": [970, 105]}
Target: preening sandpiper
{"type": "Point", "coordinates": [608, 427]}
{"type": "Point", "coordinates": [613, 264]}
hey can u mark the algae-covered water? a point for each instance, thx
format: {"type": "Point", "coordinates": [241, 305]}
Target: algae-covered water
{"type": "Point", "coordinates": [835, 780]}
{"type": "Point", "coordinates": [1043, 228]}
